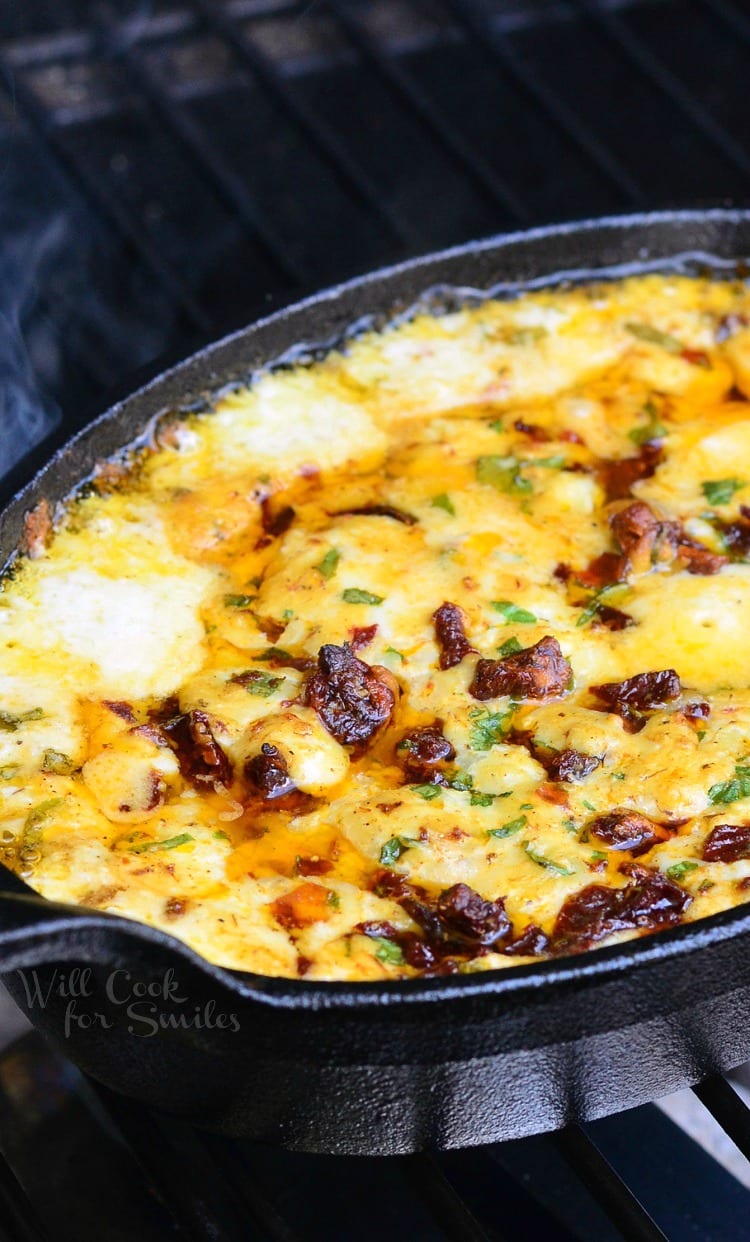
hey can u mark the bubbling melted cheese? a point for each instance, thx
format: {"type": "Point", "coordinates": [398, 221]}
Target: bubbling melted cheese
{"type": "Point", "coordinates": [173, 620]}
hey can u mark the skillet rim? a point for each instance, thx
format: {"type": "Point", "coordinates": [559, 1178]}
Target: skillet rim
{"type": "Point", "coordinates": [288, 993]}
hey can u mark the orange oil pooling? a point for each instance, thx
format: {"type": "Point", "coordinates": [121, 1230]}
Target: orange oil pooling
{"type": "Point", "coordinates": [281, 850]}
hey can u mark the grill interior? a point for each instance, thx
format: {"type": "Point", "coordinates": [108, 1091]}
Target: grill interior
{"type": "Point", "coordinates": [184, 165]}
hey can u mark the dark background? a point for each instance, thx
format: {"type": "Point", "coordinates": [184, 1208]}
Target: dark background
{"type": "Point", "coordinates": [169, 170]}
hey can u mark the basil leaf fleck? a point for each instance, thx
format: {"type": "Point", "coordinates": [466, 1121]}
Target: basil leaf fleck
{"type": "Point", "coordinates": [354, 595]}
{"type": "Point", "coordinates": [443, 501]}
{"type": "Point", "coordinates": [679, 870]}
{"type": "Point", "coordinates": [513, 613]}
{"type": "Point", "coordinates": [542, 860]}
{"type": "Point", "coordinates": [510, 829]}
{"type": "Point", "coordinates": [327, 567]}
{"type": "Point", "coordinates": [721, 491]}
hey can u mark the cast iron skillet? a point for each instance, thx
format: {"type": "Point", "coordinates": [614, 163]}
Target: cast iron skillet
{"type": "Point", "coordinates": [382, 1068]}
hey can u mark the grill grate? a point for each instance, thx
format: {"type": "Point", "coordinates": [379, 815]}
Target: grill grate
{"type": "Point", "coordinates": [98, 1167]}
{"type": "Point", "coordinates": [220, 157]}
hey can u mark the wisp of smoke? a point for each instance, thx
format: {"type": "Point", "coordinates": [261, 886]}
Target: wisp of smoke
{"type": "Point", "coordinates": [26, 412]}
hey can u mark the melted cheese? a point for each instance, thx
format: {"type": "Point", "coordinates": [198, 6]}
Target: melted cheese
{"type": "Point", "coordinates": [488, 426]}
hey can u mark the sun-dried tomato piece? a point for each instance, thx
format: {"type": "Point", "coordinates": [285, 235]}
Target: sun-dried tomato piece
{"type": "Point", "coordinates": [571, 765]}
{"type": "Point", "coordinates": [727, 843]}
{"type": "Point", "coordinates": [613, 619]}
{"type": "Point", "coordinates": [644, 692]}
{"type": "Point", "coordinates": [699, 710]}
{"type": "Point", "coordinates": [422, 751]}
{"type": "Point", "coordinates": [352, 700]}
{"type": "Point", "coordinates": [532, 942]}
{"type": "Point", "coordinates": [201, 759]}
{"type": "Point", "coordinates": [275, 519]}
{"type": "Point", "coordinates": [650, 901]}
{"type": "Point", "coordinates": [119, 708]}
{"type": "Point", "coordinates": [535, 433]}
{"type": "Point", "coordinates": [448, 620]}
{"type": "Point", "coordinates": [312, 866]}
{"type": "Point", "coordinates": [619, 474]}
{"type": "Point", "coordinates": [604, 570]}
{"type": "Point", "coordinates": [625, 830]}
{"type": "Point", "coordinates": [416, 952]}
{"type": "Point", "coordinates": [389, 511]}
{"type": "Point", "coordinates": [645, 538]}
{"type": "Point", "coordinates": [698, 558]}
{"type": "Point", "coordinates": [362, 636]}
{"type": "Point", "coordinates": [537, 672]}
{"type": "Point", "coordinates": [463, 912]}
{"type": "Point", "coordinates": [268, 772]}
{"type": "Point", "coordinates": [736, 535]}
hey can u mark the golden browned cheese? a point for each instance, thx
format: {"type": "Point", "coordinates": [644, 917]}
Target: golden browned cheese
{"type": "Point", "coordinates": [329, 681]}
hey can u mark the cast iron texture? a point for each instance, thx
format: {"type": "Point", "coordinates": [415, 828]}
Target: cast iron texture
{"type": "Point", "coordinates": [396, 1067]}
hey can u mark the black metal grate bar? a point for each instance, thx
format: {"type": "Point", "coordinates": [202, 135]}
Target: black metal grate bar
{"type": "Point", "coordinates": [666, 82]}
{"type": "Point", "coordinates": [97, 192]}
{"type": "Point", "coordinates": [324, 139]}
{"type": "Point", "coordinates": [231, 190]}
{"type": "Point", "coordinates": [607, 1187]}
{"type": "Point", "coordinates": [454, 1215]}
{"type": "Point", "coordinates": [547, 101]}
{"type": "Point", "coordinates": [728, 1109]}
{"type": "Point", "coordinates": [728, 13]}
{"type": "Point", "coordinates": [473, 165]}
{"type": "Point", "coordinates": [18, 1219]}
{"type": "Point", "coordinates": [202, 1204]}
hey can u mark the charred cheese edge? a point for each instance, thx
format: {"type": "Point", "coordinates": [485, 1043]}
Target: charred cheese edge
{"type": "Point", "coordinates": [571, 465]}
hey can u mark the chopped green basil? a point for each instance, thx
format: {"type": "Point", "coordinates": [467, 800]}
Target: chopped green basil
{"type": "Point", "coordinates": [653, 336]}
{"type": "Point", "coordinates": [679, 870]}
{"type": "Point", "coordinates": [652, 430]}
{"type": "Point", "coordinates": [170, 843]}
{"type": "Point", "coordinates": [353, 595]}
{"type": "Point", "coordinates": [40, 812]}
{"type": "Point", "coordinates": [618, 776]}
{"type": "Point", "coordinates": [394, 848]}
{"type": "Point", "coordinates": [556, 462]}
{"type": "Point", "coordinates": [261, 684]}
{"type": "Point", "coordinates": [461, 781]}
{"type": "Point", "coordinates": [481, 799]}
{"type": "Point", "coordinates": [389, 952]}
{"type": "Point", "coordinates": [502, 473]}
{"type": "Point", "coordinates": [588, 805]}
{"type": "Point", "coordinates": [542, 860]}
{"type": "Point", "coordinates": [510, 647]}
{"type": "Point", "coordinates": [513, 613]}
{"type": "Point", "coordinates": [58, 763]}
{"type": "Point", "coordinates": [508, 830]}
{"type": "Point", "coordinates": [721, 491]}
{"type": "Point", "coordinates": [732, 790]}
{"type": "Point", "coordinates": [220, 835]}
{"type": "Point", "coordinates": [327, 567]}
{"type": "Point", "coordinates": [10, 721]}
{"type": "Point", "coordinates": [443, 501]}
{"type": "Point", "coordinates": [392, 651]}
{"type": "Point", "coordinates": [238, 601]}
{"type": "Point", "coordinates": [333, 899]}
{"type": "Point", "coordinates": [496, 425]}
{"type": "Point", "coordinates": [428, 792]}
{"type": "Point", "coordinates": [598, 856]}
{"type": "Point", "coordinates": [488, 728]}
